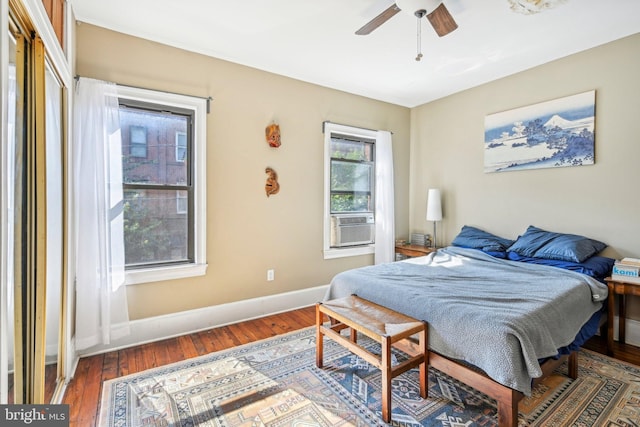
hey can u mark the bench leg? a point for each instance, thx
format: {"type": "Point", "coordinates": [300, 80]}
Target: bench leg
{"type": "Point", "coordinates": [385, 369]}
{"type": "Point", "coordinates": [319, 337]}
{"type": "Point", "coordinates": [423, 341]}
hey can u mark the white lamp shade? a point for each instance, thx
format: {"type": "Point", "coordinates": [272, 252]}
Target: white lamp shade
{"type": "Point", "coordinates": [434, 206]}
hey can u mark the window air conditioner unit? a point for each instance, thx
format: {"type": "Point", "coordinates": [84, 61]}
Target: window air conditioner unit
{"type": "Point", "coordinates": [352, 229]}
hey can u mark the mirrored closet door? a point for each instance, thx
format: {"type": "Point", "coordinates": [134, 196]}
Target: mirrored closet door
{"type": "Point", "coordinates": [54, 230]}
{"type": "Point", "coordinates": [35, 199]}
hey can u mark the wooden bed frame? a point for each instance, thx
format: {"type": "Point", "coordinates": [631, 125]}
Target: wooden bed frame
{"type": "Point", "coordinates": [506, 397]}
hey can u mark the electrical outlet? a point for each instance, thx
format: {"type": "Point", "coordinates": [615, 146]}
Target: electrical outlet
{"type": "Point", "coordinates": [270, 275]}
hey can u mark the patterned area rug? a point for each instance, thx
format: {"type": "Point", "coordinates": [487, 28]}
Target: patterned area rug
{"type": "Point", "coordinates": [275, 382]}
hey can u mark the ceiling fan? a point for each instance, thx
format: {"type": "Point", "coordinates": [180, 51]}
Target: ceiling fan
{"type": "Point", "coordinates": [439, 17]}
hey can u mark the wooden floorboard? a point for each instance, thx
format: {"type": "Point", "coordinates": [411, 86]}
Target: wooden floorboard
{"type": "Point", "coordinates": [83, 391]}
{"type": "Point", "coordinates": [187, 347]}
{"type": "Point", "coordinates": [126, 361]}
{"type": "Point", "coordinates": [110, 366]}
{"type": "Point", "coordinates": [625, 352]}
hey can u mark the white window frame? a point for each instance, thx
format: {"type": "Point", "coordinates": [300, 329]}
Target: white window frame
{"type": "Point", "coordinates": [328, 251]}
{"type": "Point", "coordinates": [199, 155]}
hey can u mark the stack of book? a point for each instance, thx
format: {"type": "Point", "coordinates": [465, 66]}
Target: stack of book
{"type": "Point", "coordinates": [627, 269]}
{"type": "Point", "coordinates": [418, 239]}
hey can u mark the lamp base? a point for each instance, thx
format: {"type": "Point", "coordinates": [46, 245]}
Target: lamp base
{"type": "Point", "coordinates": [433, 242]}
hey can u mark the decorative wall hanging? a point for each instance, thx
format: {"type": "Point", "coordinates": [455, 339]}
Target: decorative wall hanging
{"type": "Point", "coordinates": [272, 186]}
{"type": "Point", "coordinates": [550, 134]}
{"type": "Point", "coordinates": [272, 133]}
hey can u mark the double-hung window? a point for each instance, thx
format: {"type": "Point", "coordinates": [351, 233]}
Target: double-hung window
{"type": "Point", "coordinates": [349, 190]}
{"type": "Point", "coordinates": [163, 168]}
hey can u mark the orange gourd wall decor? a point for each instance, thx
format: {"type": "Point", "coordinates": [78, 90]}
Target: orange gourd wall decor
{"type": "Point", "coordinates": [272, 132]}
{"type": "Point", "coordinates": [271, 186]}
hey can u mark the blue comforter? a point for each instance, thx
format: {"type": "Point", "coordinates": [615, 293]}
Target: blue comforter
{"type": "Point", "coordinates": [499, 315]}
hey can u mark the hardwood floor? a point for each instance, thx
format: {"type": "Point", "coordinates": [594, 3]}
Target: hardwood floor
{"type": "Point", "coordinates": [83, 392]}
{"type": "Point", "coordinates": [624, 352]}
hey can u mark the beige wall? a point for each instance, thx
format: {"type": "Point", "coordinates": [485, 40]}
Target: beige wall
{"type": "Point", "coordinates": [599, 201]}
{"type": "Point", "coordinates": [248, 233]}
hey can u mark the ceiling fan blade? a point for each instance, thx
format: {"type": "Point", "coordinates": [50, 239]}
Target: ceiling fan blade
{"type": "Point", "coordinates": [378, 20]}
{"type": "Point", "coordinates": [441, 20]}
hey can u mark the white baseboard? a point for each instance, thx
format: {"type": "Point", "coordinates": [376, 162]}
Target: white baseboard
{"type": "Point", "coordinates": [186, 322]}
{"type": "Point", "coordinates": [632, 331]}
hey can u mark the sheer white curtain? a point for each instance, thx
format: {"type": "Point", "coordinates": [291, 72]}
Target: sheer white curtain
{"type": "Point", "coordinates": [101, 306]}
{"type": "Point", "coordinates": [385, 219]}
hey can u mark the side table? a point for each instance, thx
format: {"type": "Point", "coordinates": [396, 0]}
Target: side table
{"type": "Point", "coordinates": [622, 288]}
{"type": "Point", "coordinates": [414, 250]}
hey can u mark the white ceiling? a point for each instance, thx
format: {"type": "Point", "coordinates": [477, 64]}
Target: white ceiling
{"type": "Point", "coordinates": [314, 40]}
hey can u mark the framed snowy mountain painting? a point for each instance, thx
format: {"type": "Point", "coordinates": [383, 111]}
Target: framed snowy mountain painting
{"type": "Point", "coordinates": [550, 134]}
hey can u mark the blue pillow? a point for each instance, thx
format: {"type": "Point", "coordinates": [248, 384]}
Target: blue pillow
{"type": "Point", "coordinates": [598, 267]}
{"type": "Point", "coordinates": [538, 243]}
{"type": "Point", "coordinates": [472, 237]}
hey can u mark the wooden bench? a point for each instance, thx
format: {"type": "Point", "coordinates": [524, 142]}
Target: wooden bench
{"type": "Point", "coordinates": [383, 325]}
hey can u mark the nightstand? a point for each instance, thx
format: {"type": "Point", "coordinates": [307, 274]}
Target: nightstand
{"type": "Point", "coordinates": [414, 250]}
{"type": "Point", "coordinates": [622, 288]}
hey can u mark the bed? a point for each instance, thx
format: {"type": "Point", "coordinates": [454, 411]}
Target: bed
{"type": "Point", "coordinates": [501, 313]}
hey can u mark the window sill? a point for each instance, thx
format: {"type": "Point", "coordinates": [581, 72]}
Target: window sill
{"type": "Point", "coordinates": [134, 277]}
{"type": "Point", "coordinates": [348, 252]}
